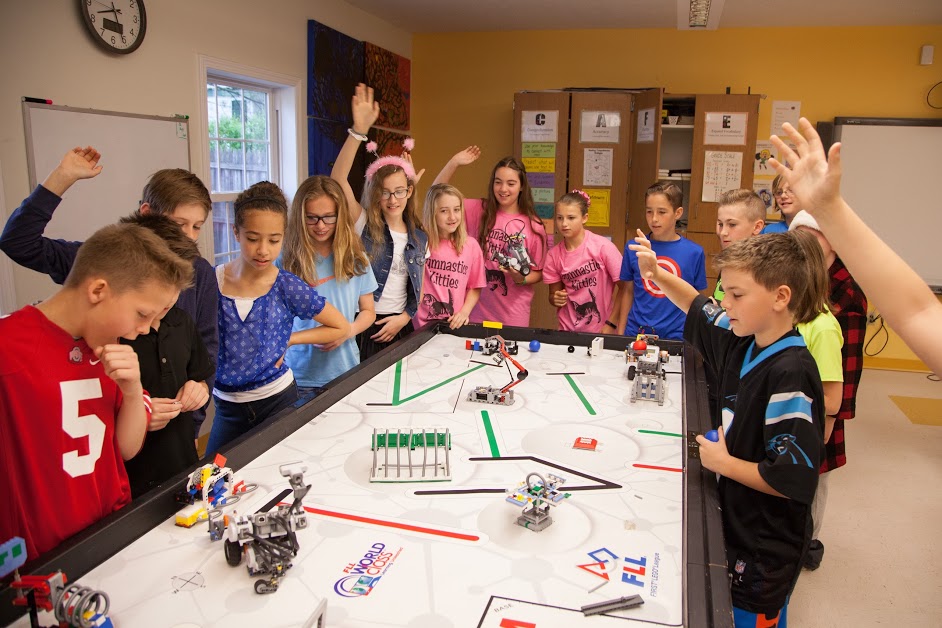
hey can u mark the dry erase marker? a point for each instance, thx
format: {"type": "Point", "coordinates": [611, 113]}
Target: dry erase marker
{"type": "Point", "coordinates": [41, 101]}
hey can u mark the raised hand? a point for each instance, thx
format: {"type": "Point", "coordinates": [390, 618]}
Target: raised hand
{"type": "Point", "coordinates": [418, 173]}
{"type": "Point", "coordinates": [647, 259]}
{"type": "Point", "coordinates": [467, 156]}
{"type": "Point", "coordinates": [364, 108]}
{"type": "Point", "coordinates": [814, 179]}
{"type": "Point", "coordinates": [79, 163]}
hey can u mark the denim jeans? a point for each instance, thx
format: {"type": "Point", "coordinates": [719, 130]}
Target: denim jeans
{"type": "Point", "coordinates": [306, 393]}
{"type": "Point", "coordinates": [235, 419]}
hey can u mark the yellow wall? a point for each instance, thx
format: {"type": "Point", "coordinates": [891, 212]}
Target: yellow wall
{"type": "Point", "coordinates": [463, 83]}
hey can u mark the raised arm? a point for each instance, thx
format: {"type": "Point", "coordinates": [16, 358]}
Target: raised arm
{"type": "Point", "coordinates": [461, 158]}
{"type": "Point", "coordinates": [22, 238]}
{"type": "Point", "coordinates": [902, 297]}
{"type": "Point", "coordinates": [677, 290]}
{"type": "Point", "coordinates": [365, 112]}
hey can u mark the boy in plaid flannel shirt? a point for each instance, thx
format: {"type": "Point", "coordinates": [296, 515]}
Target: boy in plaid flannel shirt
{"type": "Point", "coordinates": [849, 306]}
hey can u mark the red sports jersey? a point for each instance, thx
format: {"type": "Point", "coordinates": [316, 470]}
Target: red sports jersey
{"type": "Point", "coordinates": [60, 466]}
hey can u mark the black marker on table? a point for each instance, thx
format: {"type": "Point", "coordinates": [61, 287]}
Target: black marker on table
{"type": "Point", "coordinates": [41, 101]}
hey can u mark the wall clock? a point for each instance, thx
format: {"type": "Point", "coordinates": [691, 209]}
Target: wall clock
{"type": "Point", "coordinates": [116, 25]}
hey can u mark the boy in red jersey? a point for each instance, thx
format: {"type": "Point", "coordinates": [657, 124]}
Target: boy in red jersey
{"type": "Point", "coordinates": [72, 407]}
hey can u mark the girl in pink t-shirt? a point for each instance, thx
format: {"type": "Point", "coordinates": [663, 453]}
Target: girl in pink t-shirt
{"type": "Point", "coordinates": [454, 265]}
{"type": "Point", "coordinates": [582, 271]}
{"type": "Point", "coordinates": [511, 236]}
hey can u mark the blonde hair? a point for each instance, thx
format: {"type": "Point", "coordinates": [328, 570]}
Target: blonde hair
{"type": "Point", "coordinates": [299, 256]}
{"type": "Point", "coordinates": [370, 201]}
{"type": "Point", "coordinates": [793, 258]}
{"type": "Point", "coordinates": [753, 204]}
{"type": "Point", "coordinates": [460, 235]}
{"type": "Point", "coordinates": [128, 256]}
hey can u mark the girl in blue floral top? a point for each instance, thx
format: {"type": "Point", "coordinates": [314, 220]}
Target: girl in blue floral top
{"type": "Point", "coordinates": [257, 306]}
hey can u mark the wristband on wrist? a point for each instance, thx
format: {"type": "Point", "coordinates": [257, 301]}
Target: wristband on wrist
{"type": "Point", "coordinates": [611, 324]}
{"type": "Point", "coordinates": [357, 136]}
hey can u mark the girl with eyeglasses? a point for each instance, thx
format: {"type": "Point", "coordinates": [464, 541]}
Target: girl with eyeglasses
{"type": "Point", "coordinates": [390, 225]}
{"type": "Point", "coordinates": [785, 202]}
{"type": "Point", "coordinates": [323, 248]}
{"type": "Point", "coordinates": [258, 303]}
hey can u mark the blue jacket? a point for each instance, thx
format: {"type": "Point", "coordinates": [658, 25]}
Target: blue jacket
{"type": "Point", "coordinates": [415, 262]}
{"type": "Point", "coordinates": [22, 240]}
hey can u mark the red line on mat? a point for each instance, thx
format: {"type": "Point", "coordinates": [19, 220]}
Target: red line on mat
{"type": "Point", "coordinates": [393, 524]}
{"type": "Point", "coordinates": [651, 466]}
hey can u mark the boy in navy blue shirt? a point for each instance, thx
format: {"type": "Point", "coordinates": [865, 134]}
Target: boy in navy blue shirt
{"type": "Point", "coordinates": [771, 402]}
{"type": "Point", "coordinates": [644, 308]}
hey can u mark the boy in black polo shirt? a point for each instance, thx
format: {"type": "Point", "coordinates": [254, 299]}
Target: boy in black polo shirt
{"type": "Point", "coordinates": [772, 408]}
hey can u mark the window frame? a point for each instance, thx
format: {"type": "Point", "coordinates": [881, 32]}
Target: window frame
{"type": "Point", "coordinates": [288, 145]}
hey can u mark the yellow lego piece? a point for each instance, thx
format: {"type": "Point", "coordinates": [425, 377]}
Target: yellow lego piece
{"type": "Point", "coordinates": [191, 515]}
{"type": "Point", "coordinates": [492, 324]}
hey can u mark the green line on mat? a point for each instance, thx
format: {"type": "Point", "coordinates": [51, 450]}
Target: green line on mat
{"type": "Point", "coordinates": [582, 398]}
{"type": "Point", "coordinates": [661, 433]}
{"type": "Point", "coordinates": [397, 379]}
{"type": "Point", "coordinates": [397, 401]}
{"type": "Point", "coordinates": [489, 429]}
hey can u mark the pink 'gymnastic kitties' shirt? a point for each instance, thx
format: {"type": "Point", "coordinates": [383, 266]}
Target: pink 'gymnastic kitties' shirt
{"type": "Point", "coordinates": [502, 300]}
{"type": "Point", "coordinates": [588, 275]}
{"type": "Point", "coordinates": [448, 277]}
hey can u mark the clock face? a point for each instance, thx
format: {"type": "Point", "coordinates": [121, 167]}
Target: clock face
{"type": "Point", "coordinates": [116, 25]}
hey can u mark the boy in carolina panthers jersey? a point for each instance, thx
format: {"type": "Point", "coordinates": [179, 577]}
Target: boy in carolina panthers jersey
{"type": "Point", "coordinates": [771, 402]}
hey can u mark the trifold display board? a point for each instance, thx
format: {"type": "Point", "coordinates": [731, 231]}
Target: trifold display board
{"type": "Point", "coordinates": [890, 170]}
{"type": "Point", "coordinates": [132, 148]}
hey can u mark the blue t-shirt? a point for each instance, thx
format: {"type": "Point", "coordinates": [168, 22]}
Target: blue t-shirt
{"type": "Point", "coordinates": [651, 311]}
{"type": "Point", "coordinates": [775, 227]}
{"type": "Point", "coordinates": [312, 367]}
{"type": "Point", "coordinates": [249, 349]}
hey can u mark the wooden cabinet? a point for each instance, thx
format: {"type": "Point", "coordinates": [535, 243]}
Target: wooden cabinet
{"type": "Point", "coordinates": [707, 138]}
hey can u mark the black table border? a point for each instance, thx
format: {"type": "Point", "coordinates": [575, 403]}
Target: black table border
{"type": "Point", "coordinates": [706, 581]}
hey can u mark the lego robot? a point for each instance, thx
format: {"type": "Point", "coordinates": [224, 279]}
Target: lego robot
{"type": "Point", "coordinates": [268, 540]}
{"type": "Point", "coordinates": [209, 483]}
{"type": "Point", "coordinates": [516, 255]}
{"type": "Point", "coordinates": [646, 370]}
{"type": "Point", "coordinates": [73, 605]}
{"type": "Point", "coordinates": [498, 347]}
{"type": "Point", "coordinates": [536, 498]}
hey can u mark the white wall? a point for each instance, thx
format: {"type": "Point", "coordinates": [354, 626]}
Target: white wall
{"type": "Point", "coordinates": [46, 53]}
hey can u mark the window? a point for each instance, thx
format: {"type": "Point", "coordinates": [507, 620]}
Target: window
{"type": "Point", "coordinates": [251, 130]}
{"type": "Point", "coordinates": [241, 151]}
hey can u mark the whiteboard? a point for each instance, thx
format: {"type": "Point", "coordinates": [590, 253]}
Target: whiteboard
{"type": "Point", "coordinates": [891, 173]}
{"type": "Point", "coordinates": [132, 147]}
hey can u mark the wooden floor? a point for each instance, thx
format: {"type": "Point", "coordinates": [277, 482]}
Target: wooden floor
{"type": "Point", "coordinates": [882, 530]}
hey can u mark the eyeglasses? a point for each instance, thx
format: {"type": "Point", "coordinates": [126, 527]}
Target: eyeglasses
{"type": "Point", "coordinates": [327, 220]}
{"type": "Point", "coordinates": [401, 193]}
{"type": "Point", "coordinates": [783, 193]}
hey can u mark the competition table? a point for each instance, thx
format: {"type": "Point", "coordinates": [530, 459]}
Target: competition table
{"type": "Point", "coordinates": [642, 516]}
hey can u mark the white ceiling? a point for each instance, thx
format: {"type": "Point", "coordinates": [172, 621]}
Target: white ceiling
{"type": "Point", "coordinates": [436, 16]}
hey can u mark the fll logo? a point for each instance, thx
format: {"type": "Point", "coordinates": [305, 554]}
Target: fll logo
{"type": "Point", "coordinates": [364, 575]}
{"type": "Point", "coordinates": [632, 572]}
